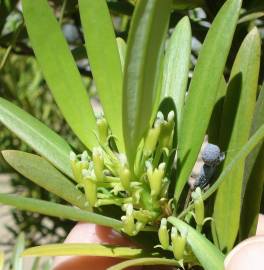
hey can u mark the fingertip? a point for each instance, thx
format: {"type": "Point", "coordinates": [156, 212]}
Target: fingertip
{"type": "Point", "coordinates": [260, 227]}
{"type": "Point", "coordinates": [91, 233]}
{"type": "Point", "coordinates": [247, 255]}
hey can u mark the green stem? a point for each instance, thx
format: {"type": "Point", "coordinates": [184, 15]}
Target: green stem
{"type": "Point", "coordinates": [10, 47]}
{"type": "Point", "coordinates": [62, 11]}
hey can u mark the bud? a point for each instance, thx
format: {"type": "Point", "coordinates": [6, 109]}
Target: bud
{"type": "Point", "coordinates": [78, 166]}
{"type": "Point", "coordinates": [164, 234]}
{"type": "Point", "coordinates": [102, 130]}
{"type": "Point", "coordinates": [98, 162]}
{"type": "Point", "coordinates": [198, 206]}
{"type": "Point", "coordinates": [90, 187]}
{"type": "Point", "coordinates": [125, 178]}
{"type": "Point", "coordinates": [85, 156]}
{"type": "Point", "coordinates": [129, 226]}
{"type": "Point", "coordinates": [159, 120]}
{"type": "Point", "coordinates": [151, 141]}
{"type": "Point", "coordinates": [155, 179]}
{"type": "Point", "coordinates": [178, 243]}
{"type": "Point", "coordinates": [166, 134]}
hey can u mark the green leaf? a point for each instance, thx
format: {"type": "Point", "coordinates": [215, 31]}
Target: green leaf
{"type": "Point", "coordinates": [144, 261]}
{"type": "Point", "coordinates": [234, 134]}
{"type": "Point", "coordinates": [36, 264]}
{"type": "Point", "coordinates": [253, 179]}
{"type": "Point", "coordinates": [258, 120]}
{"type": "Point", "coordinates": [176, 65]}
{"type": "Point", "coordinates": [257, 138]}
{"type": "Point", "coordinates": [203, 89]}
{"type": "Point", "coordinates": [208, 255]}
{"type": "Point", "coordinates": [90, 249]}
{"type": "Point", "coordinates": [57, 210]}
{"type": "Point", "coordinates": [104, 59]}
{"type": "Point", "coordinates": [41, 172]}
{"type": "Point", "coordinates": [251, 17]}
{"type": "Point", "coordinates": [145, 47]}
{"type": "Point", "coordinates": [122, 47]}
{"type": "Point", "coordinates": [214, 127]}
{"type": "Point", "coordinates": [42, 139]}
{"type": "Point", "coordinates": [16, 260]}
{"type": "Point", "coordinates": [252, 199]}
{"type": "Point", "coordinates": [2, 260]}
{"type": "Point", "coordinates": [59, 69]}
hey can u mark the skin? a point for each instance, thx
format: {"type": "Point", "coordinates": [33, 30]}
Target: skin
{"type": "Point", "coordinates": [249, 254]}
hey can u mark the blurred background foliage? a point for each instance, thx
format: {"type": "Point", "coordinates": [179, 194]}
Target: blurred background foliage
{"type": "Point", "coordinates": [22, 83]}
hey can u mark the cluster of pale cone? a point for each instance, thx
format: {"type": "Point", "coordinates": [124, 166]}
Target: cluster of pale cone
{"type": "Point", "coordinates": [248, 255]}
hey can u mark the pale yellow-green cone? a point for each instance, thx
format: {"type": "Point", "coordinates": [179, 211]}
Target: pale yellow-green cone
{"type": "Point", "coordinates": [151, 141]}
{"type": "Point", "coordinates": [163, 233]}
{"type": "Point", "coordinates": [125, 178]}
{"type": "Point", "coordinates": [129, 226]}
{"type": "Point", "coordinates": [198, 206]}
{"type": "Point", "coordinates": [178, 243]}
{"type": "Point", "coordinates": [98, 161]}
{"type": "Point", "coordinates": [102, 126]}
{"type": "Point", "coordinates": [155, 179]}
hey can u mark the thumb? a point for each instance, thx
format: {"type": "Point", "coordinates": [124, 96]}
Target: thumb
{"type": "Point", "coordinates": [249, 254]}
{"type": "Point", "coordinates": [91, 233]}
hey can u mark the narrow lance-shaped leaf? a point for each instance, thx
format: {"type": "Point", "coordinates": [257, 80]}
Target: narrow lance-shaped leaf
{"type": "Point", "coordinates": [89, 249]}
{"type": "Point", "coordinates": [203, 89]}
{"type": "Point", "coordinates": [252, 199]}
{"type": "Point", "coordinates": [208, 255]}
{"type": "Point", "coordinates": [2, 258]}
{"type": "Point", "coordinates": [243, 87]}
{"type": "Point", "coordinates": [176, 65]}
{"type": "Point", "coordinates": [214, 126]}
{"type": "Point", "coordinates": [59, 69]}
{"type": "Point", "coordinates": [145, 46]}
{"type": "Point", "coordinates": [144, 261]}
{"type": "Point", "coordinates": [41, 172]}
{"type": "Point", "coordinates": [258, 120]}
{"type": "Point", "coordinates": [16, 260]}
{"type": "Point", "coordinates": [122, 47]}
{"type": "Point", "coordinates": [38, 136]}
{"type": "Point", "coordinates": [253, 179]}
{"type": "Point", "coordinates": [57, 210]}
{"type": "Point", "coordinates": [104, 60]}
{"type": "Point", "coordinates": [251, 17]}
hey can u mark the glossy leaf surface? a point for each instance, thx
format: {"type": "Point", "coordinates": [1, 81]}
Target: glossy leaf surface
{"type": "Point", "coordinates": [253, 178]}
{"type": "Point", "coordinates": [59, 69]}
{"type": "Point", "coordinates": [235, 132]}
{"type": "Point", "coordinates": [203, 89]}
{"type": "Point", "coordinates": [57, 210]}
{"type": "Point", "coordinates": [104, 59]}
{"type": "Point", "coordinates": [145, 46]}
{"type": "Point", "coordinates": [89, 249]}
{"type": "Point", "coordinates": [122, 47]}
{"type": "Point", "coordinates": [41, 172]}
{"type": "Point", "coordinates": [43, 140]}
{"type": "Point", "coordinates": [144, 261]}
{"type": "Point", "coordinates": [176, 65]}
{"type": "Point", "coordinates": [2, 258]}
{"type": "Point", "coordinates": [16, 260]}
